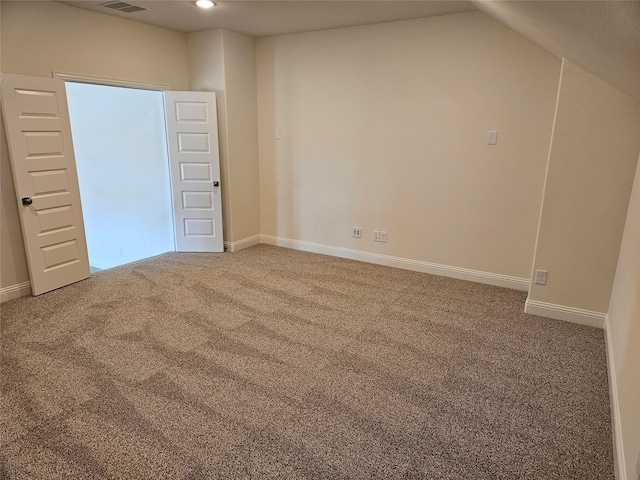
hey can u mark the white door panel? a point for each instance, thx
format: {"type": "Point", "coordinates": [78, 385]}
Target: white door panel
{"type": "Point", "coordinates": [44, 171]}
{"type": "Point", "coordinates": [192, 130]}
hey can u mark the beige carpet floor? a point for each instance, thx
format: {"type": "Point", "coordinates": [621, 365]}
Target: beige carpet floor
{"type": "Point", "coordinates": [272, 363]}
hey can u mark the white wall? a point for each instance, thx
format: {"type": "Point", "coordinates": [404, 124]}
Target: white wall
{"type": "Point", "coordinates": [119, 138]}
{"type": "Point", "coordinates": [384, 127]}
{"type": "Point", "coordinates": [40, 37]}
{"type": "Point", "coordinates": [13, 261]}
{"type": "Point", "coordinates": [592, 160]}
{"type": "Point", "coordinates": [242, 123]}
{"type": "Point", "coordinates": [623, 332]}
{"type": "Point", "coordinates": [206, 71]}
{"type": "Point", "coordinates": [225, 62]}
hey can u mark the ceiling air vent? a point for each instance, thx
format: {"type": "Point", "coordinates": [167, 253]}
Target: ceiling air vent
{"type": "Point", "coordinates": [122, 7]}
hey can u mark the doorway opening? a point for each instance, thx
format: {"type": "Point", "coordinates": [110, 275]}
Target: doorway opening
{"type": "Point", "coordinates": [119, 138]}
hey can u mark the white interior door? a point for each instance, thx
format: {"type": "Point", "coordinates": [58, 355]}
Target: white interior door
{"type": "Point", "coordinates": [44, 172]}
{"type": "Point", "coordinates": [192, 130]}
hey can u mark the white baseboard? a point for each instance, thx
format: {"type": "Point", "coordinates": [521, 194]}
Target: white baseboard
{"type": "Point", "coordinates": [562, 312]}
{"type": "Point", "coordinates": [242, 243]}
{"type": "Point", "coordinates": [399, 262]}
{"type": "Point", "coordinates": [618, 450]}
{"type": "Point", "coordinates": [15, 291]}
{"type": "Point", "coordinates": [100, 264]}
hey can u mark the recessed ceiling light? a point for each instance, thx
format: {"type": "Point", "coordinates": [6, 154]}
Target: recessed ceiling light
{"type": "Point", "coordinates": [205, 3]}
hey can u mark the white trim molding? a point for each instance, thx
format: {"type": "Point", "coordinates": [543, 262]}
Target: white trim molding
{"type": "Point", "coordinates": [400, 262]}
{"type": "Point", "coordinates": [112, 82]}
{"type": "Point", "coordinates": [562, 312]}
{"type": "Point", "coordinates": [100, 264]}
{"type": "Point", "coordinates": [616, 425]}
{"type": "Point", "coordinates": [15, 291]}
{"type": "Point", "coordinates": [242, 243]}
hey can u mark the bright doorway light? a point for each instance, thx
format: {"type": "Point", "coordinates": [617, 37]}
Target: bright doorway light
{"type": "Point", "coordinates": [119, 138]}
{"type": "Point", "coordinates": [205, 3]}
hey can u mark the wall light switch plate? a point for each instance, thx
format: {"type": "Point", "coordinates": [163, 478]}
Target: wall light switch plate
{"type": "Point", "coordinates": [492, 137]}
{"type": "Point", "coordinates": [356, 232]}
{"type": "Point", "coordinates": [383, 236]}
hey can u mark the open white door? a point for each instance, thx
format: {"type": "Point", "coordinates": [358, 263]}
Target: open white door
{"type": "Point", "coordinates": [44, 172]}
{"type": "Point", "coordinates": [192, 131]}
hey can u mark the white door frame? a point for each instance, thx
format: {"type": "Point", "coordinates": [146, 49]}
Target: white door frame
{"type": "Point", "coordinates": [111, 82]}
{"type": "Point", "coordinates": [64, 77]}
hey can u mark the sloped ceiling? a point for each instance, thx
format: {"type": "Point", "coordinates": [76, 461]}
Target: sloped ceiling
{"type": "Point", "coordinates": [601, 36]}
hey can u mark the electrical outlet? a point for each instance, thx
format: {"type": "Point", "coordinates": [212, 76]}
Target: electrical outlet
{"type": "Point", "coordinates": [541, 277]}
{"type": "Point", "coordinates": [356, 232]}
{"type": "Point", "coordinates": [376, 236]}
{"type": "Point", "coordinates": [383, 236]}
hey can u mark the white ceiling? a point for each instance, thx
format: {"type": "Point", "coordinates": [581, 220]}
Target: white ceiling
{"type": "Point", "coordinates": [259, 18]}
{"type": "Point", "coordinates": [602, 36]}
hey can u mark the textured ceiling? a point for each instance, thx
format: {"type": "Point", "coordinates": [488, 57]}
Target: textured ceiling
{"type": "Point", "coordinates": [264, 17]}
